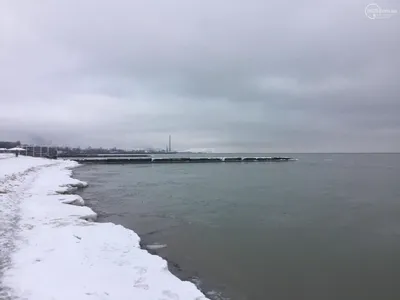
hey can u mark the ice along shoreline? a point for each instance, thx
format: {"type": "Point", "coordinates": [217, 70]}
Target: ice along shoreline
{"type": "Point", "coordinates": [76, 257]}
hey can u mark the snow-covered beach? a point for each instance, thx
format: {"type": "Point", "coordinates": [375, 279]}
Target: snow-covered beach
{"type": "Point", "coordinates": [52, 249]}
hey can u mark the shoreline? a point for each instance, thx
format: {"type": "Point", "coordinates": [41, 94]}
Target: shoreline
{"type": "Point", "coordinates": [64, 244]}
{"type": "Point", "coordinates": [173, 266]}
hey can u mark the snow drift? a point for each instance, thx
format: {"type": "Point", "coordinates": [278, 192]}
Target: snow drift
{"type": "Point", "coordinates": [60, 253]}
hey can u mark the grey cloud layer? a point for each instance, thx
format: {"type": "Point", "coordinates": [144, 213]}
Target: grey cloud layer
{"type": "Point", "coordinates": [227, 75]}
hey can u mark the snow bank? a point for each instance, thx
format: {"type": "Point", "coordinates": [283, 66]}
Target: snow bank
{"type": "Point", "coordinates": [6, 155]}
{"type": "Point", "coordinates": [11, 165]}
{"type": "Point", "coordinates": [60, 255]}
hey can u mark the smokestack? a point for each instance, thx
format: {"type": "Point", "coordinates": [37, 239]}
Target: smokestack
{"type": "Point", "coordinates": [169, 144]}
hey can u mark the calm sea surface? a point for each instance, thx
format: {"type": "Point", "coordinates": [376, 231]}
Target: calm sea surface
{"type": "Point", "coordinates": [324, 227]}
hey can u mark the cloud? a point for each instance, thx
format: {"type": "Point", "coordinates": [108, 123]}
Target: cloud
{"type": "Point", "coordinates": [226, 75]}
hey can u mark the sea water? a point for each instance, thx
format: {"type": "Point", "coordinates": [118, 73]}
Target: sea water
{"type": "Point", "coordinates": [324, 227]}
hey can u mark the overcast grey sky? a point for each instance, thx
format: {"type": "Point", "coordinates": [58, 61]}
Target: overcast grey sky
{"type": "Point", "coordinates": [228, 75]}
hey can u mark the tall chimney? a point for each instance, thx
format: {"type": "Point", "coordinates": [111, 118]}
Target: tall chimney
{"type": "Point", "coordinates": [169, 144]}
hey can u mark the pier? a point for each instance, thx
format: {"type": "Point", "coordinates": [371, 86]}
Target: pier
{"type": "Point", "coordinates": [168, 160]}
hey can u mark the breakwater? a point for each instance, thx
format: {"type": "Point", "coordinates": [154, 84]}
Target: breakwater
{"type": "Point", "coordinates": [159, 160]}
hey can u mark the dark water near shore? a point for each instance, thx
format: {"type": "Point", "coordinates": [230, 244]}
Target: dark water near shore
{"type": "Point", "coordinates": [324, 227]}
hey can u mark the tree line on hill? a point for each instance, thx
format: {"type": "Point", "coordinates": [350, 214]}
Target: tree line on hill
{"type": "Point", "coordinates": [68, 151]}
{"type": "Point", "coordinates": [8, 145]}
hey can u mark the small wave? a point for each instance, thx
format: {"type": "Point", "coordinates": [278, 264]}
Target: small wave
{"type": "Point", "coordinates": [216, 295]}
{"type": "Point", "coordinates": [156, 246]}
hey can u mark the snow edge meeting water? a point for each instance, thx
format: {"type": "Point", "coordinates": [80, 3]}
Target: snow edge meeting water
{"type": "Point", "coordinates": [60, 253]}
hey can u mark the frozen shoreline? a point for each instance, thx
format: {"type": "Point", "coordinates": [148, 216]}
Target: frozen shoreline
{"type": "Point", "coordinates": [75, 257]}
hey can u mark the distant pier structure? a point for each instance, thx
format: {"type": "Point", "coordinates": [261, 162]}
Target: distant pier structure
{"type": "Point", "coordinates": [157, 160]}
